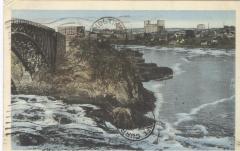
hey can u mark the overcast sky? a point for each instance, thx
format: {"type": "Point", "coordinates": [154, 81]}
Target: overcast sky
{"type": "Point", "coordinates": [134, 19]}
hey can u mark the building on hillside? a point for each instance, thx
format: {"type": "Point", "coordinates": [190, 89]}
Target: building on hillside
{"type": "Point", "coordinates": [229, 28]}
{"type": "Point", "coordinates": [201, 27]}
{"type": "Point", "coordinates": [179, 34]}
{"type": "Point", "coordinates": [72, 31]}
{"type": "Point", "coordinates": [154, 28]}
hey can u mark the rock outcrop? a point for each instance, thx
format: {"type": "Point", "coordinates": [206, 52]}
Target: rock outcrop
{"type": "Point", "coordinates": [96, 74]}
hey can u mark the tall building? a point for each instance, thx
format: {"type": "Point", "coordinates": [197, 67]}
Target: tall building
{"type": "Point", "coordinates": [200, 26]}
{"type": "Point", "coordinates": [154, 28]}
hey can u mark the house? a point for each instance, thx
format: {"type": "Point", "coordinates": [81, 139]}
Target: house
{"type": "Point", "coordinates": [214, 41]}
{"type": "Point", "coordinates": [204, 43]}
{"type": "Point", "coordinates": [154, 28]}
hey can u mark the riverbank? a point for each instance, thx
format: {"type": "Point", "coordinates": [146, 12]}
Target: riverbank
{"type": "Point", "coordinates": [202, 114]}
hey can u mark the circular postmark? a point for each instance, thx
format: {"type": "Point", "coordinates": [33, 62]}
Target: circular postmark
{"type": "Point", "coordinates": [141, 133]}
{"type": "Point", "coordinates": [105, 24]}
{"type": "Point", "coordinates": [109, 28]}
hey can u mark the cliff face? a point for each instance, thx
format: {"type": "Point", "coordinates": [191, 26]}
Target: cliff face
{"type": "Point", "coordinates": [95, 74]}
{"type": "Point", "coordinates": [98, 73]}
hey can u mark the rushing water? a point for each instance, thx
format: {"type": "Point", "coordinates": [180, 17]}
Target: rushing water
{"type": "Point", "coordinates": [196, 107]}
{"type": "Point", "coordinates": [199, 102]}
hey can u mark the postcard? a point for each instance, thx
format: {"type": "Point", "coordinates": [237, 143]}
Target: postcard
{"type": "Point", "coordinates": [121, 75]}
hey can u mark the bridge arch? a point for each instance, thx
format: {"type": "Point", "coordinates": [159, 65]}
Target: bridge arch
{"type": "Point", "coordinates": [35, 47]}
{"type": "Point", "coordinates": [28, 51]}
{"type": "Point", "coordinates": [50, 43]}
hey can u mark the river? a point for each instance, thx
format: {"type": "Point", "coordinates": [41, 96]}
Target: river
{"type": "Point", "coordinates": [198, 103]}
{"type": "Point", "coordinates": [196, 107]}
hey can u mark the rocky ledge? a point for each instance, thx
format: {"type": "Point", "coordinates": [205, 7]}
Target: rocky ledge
{"type": "Point", "coordinates": [100, 75]}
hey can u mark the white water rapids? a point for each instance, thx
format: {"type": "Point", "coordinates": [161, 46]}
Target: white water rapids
{"type": "Point", "coordinates": [182, 105]}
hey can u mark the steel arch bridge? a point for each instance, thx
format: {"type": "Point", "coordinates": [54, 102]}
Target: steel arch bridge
{"type": "Point", "coordinates": [35, 45]}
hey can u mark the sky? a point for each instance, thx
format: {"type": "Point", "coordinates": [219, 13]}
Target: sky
{"type": "Point", "coordinates": [131, 19]}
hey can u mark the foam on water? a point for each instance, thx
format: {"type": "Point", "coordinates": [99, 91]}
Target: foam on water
{"type": "Point", "coordinates": [51, 112]}
{"type": "Point", "coordinates": [208, 143]}
{"type": "Point", "coordinates": [169, 135]}
{"type": "Point", "coordinates": [191, 52]}
{"type": "Point", "coordinates": [80, 126]}
{"type": "Point", "coordinates": [188, 116]}
{"type": "Point", "coordinates": [39, 115]}
{"type": "Point", "coordinates": [155, 86]}
{"type": "Point", "coordinates": [177, 70]}
{"type": "Point", "coordinates": [186, 60]}
{"type": "Point", "coordinates": [201, 128]}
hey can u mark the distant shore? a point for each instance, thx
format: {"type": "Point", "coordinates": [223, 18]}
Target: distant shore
{"type": "Point", "coordinates": [152, 44]}
{"type": "Point", "coordinates": [181, 46]}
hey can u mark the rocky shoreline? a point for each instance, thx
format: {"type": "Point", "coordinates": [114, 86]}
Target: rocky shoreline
{"type": "Point", "coordinates": [97, 74]}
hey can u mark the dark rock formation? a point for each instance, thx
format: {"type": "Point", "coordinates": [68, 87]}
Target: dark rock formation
{"type": "Point", "coordinates": [26, 139]}
{"type": "Point", "coordinates": [153, 72]}
{"type": "Point", "coordinates": [98, 75]}
{"type": "Point", "coordinates": [122, 118]}
{"type": "Point", "coordinates": [148, 71]}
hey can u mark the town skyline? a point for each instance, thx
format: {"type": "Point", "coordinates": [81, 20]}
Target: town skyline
{"type": "Point", "coordinates": [131, 19]}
